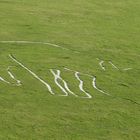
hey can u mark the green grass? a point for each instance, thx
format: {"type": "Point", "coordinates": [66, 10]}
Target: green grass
{"type": "Point", "coordinates": [108, 30]}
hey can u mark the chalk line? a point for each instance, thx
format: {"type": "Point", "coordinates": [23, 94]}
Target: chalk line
{"type": "Point", "coordinates": [94, 85]}
{"type": "Point", "coordinates": [126, 69]}
{"type": "Point", "coordinates": [32, 73]}
{"type": "Point", "coordinates": [81, 85]}
{"type": "Point", "coordinates": [13, 77]}
{"type": "Point", "coordinates": [4, 80]}
{"type": "Point", "coordinates": [58, 77]}
{"type": "Point", "coordinates": [37, 42]}
{"type": "Point", "coordinates": [55, 45]}
{"type": "Point", "coordinates": [113, 65]}
{"type": "Point", "coordinates": [102, 66]}
{"type": "Point", "coordinates": [79, 72]}
{"type": "Point", "coordinates": [93, 82]}
{"type": "Point", "coordinates": [32, 42]}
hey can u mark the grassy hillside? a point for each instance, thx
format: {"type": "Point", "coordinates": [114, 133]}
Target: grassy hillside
{"type": "Point", "coordinates": [98, 38]}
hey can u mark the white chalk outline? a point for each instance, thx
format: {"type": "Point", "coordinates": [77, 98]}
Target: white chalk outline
{"type": "Point", "coordinates": [58, 77]}
{"type": "Point", "coordinates": [126, 69]}
{"type": "Point", "coordinates": [101, 64]}
{"type": "Point", "coordinates": [18, 82]}
{"type": "Point", "coordinates": [37, 42]}
{"type": "Point", "coordinates": [33, 42]}
{"type": "Point", "coordinates": [94, 85]}
{"type": "Point", "coordinates": [113, 65]}
{"type": "Point", "coordinates": [1, 79]}
{"type": "Point", "coordinates": [55, 45]}
{"type": "Point", "coordinates": [81, 84]}
{"type": "Point", "coordinates": [93, 82]}
{"type": "Point", "coordinates": [13, 77]}
{"type": "Point", "coordinates": [33, 74]}
{"type": "Point", "coordinates": [79, 72]}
